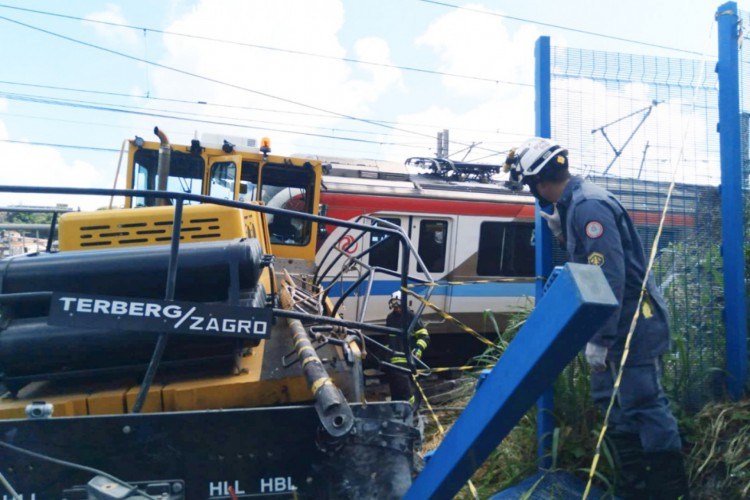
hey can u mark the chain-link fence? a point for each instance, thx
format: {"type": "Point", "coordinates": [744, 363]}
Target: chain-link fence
{"type": "Point", "coordinates": [632, 123]}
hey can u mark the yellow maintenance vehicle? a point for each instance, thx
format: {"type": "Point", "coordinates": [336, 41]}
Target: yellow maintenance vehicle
{"type": "Point", "coordinates": [175, 347]}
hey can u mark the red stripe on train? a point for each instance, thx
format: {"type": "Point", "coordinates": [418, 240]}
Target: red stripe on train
{"type": "Point", "coordinates": [347, 206]}
{"type": "Point", "coordinates": [344, 206]}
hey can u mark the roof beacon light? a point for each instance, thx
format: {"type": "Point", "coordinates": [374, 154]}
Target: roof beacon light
{"type": "Point", "coordinates": [265, 146]}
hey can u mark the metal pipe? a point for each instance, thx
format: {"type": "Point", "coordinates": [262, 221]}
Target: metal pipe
{"type": "Point", "coordinates": [165, 155]}
{"type": "Point", "coordinates": [330, 403]}
{"type": "Point", "coordinates": [117, 172]}
{"type": "Point", "coordinates": [161, 342]}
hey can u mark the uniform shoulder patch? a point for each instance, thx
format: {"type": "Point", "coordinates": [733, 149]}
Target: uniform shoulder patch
{"type": "Point", "coordinates": [594, 229]}
{"type": "Point", "coordinates": [596, 259]}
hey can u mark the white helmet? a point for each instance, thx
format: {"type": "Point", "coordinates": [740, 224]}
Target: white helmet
{"type": "Point", "coordinates": [395, 299]}
{"type": "Point", "coordinates": [534, 155]}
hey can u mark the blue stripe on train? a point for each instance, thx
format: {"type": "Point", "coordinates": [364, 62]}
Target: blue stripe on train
{"type": "Point", "coordinates": [387, 287]}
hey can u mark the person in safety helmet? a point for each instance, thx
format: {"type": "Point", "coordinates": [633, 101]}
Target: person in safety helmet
{"type": "Point", "coordinates": [595, 228]}
{"type": "Point", "coordinates": [401, 383]}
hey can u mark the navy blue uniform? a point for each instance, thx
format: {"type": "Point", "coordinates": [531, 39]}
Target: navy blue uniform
{"type": "Point", "coordinates": [598, 231]}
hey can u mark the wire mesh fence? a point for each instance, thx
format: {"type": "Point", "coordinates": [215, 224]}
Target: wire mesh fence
{"type": "Point", "coordinates": [632, 124]}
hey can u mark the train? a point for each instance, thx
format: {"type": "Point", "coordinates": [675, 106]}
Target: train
{"type": "Point", "coordinates": [474, 231]}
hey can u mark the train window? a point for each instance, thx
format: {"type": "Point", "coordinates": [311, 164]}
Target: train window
{"type": "Point", "coordinates": [506, 249]}
{"type": "Point", "coordinates": [432, 242]}
{"type": "Point", "coordinates": [223, 176]}
{"type": "Point", "coordinates": [385, 255]}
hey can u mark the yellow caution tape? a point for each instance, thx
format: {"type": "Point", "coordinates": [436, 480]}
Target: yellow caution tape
{"type": "Point", "coordinates": [310, 360]}
{"type": "Point", "coordinates": [320, 383]}
{"type": "Point", "coordinates": [448, 317]}
{"type": "Point", "coordinates": [477, 282]}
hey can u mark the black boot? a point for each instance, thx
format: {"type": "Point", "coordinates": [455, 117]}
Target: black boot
{"type": "Point", "coordinates": [630, 483]}
{"type": "Point", "coordinates": [666, 478]}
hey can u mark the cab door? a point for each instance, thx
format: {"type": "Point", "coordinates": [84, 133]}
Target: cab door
{"type": "Point", "coordinates": [222, 176]}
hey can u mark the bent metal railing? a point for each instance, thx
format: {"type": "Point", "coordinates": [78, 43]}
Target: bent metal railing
{"type": "Point", "coordinates": [178, 200]}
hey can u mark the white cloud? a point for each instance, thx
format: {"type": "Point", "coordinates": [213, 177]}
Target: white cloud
{"type": "Point", "coordinates": [498, 116]}
{"type": "Point", "coordinates": [113, 14]}
{"type": "Point", "coordinates": [297, 25]}
{"type": "Point", "coordinates": [30, 165]}
{"type": "Point", "coordinates": [480, 45]}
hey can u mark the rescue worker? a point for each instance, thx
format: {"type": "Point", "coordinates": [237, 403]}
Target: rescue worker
{"type": "Point", "coordinates": [401, 383]}
{"type": "Point", "coordinates": [595, 228]}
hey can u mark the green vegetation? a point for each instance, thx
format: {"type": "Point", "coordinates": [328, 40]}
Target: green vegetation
{"type": "Point", "coordinates": [28, 217]}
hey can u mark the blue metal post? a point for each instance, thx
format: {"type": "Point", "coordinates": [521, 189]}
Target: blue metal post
{"type": "Point", "coordinates": [732, 223]}
{"type": "Point", "coordinates": [545, 423]}
{"type": "Point", "coordinates": [576, 304]}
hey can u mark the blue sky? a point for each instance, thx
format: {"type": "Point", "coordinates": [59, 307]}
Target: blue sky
{"type": "Point", "coordinates": [463, 41]}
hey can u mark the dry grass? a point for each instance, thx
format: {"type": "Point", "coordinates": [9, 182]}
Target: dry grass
{"type": "Point", "coordinates": [719, 462]}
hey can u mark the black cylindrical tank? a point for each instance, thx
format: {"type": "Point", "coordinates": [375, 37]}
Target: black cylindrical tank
{"type": "Point", "coordinates": [204, 272]}
{"type": "Point", "coordinates": [30, 349]}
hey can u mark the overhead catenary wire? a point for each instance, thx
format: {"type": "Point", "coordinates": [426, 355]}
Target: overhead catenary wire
{"type": "Point", "coordinates": [561, 27]}
{"type": "Point", "coordinates": [196, 120]}
{"type": "Point", "coordinates": [60, 100]}
{"type": "Point", "coordinates": [240, 107]}
{"type": "Point", "coordinates": [152, 97]}
{"type": "Point", "coordinates": [217, 81]}
{"type": "Point", "coordinates": [65, 146]}
{"type": "Point", "coordinates": [145, 29]}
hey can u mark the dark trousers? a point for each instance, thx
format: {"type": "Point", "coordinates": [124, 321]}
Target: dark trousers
{"type": "Point", "coordinates": [401, 385]}
{"type": "Point", "coordinates": [641, 407]}
{"type": "Point", "coordinates": [644, 433]}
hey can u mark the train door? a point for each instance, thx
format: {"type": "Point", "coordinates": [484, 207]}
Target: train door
{"type": "Point", "coordinates": [434, 239]}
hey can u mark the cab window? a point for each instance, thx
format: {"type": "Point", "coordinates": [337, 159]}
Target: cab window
{"type": "Point", "coordinates": [290, 188]}
{"type": "Point", "coordinates": [223, 176]}
{"type": "Point", "coordinates": [185, 174]}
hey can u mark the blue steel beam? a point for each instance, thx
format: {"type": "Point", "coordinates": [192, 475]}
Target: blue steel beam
{"type": "Point", "coordinates": [576, 304]}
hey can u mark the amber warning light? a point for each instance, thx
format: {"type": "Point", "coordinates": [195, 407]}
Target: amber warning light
{"type": "Point", "coordinates": [265, 145]}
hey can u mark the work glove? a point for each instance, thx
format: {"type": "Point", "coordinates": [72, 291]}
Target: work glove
{"type": "Point", "coordinates": [596, 357]}
{"type": "Point", "coordinates": [553, 220]}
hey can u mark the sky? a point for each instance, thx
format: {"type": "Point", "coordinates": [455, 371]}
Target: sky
{"type": "Point", "coordinates": [354, 78]}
